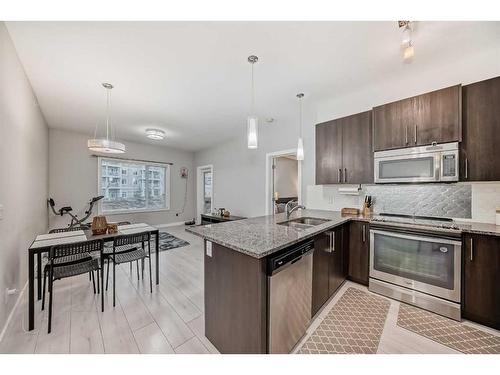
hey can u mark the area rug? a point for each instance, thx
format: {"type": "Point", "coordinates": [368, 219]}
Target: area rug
{"type": "Point", "coordinates": [169, 241]}
{"type": "Point", "coordinates": [353, 326]}
{"type": "Point", "coordinates": [447, 332]}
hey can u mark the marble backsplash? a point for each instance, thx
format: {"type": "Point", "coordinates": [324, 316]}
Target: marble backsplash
{"type": "Point", "coordinates": [442, 200]}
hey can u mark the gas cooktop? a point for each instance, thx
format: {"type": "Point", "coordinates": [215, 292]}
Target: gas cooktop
{"type": "Point", "coordinates": [429, 221]}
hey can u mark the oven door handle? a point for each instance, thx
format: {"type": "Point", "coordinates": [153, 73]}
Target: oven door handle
{"type": "Point", "coordinates": [417, 237]}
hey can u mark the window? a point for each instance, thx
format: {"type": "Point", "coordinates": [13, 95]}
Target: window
{"type": "Point", "coordinates": [207, 192]}
{"type": "Point", "coordinates": [137, 193]}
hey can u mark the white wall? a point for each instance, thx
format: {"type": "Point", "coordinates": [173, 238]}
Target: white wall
{"type": "Point", "coordinates": [240, 173]}
{"type": "Point", "coordinates": [286, 177]}
{"type": "Point", "coordinates": [23, 172]}
{"type": "Point", "coordinates": [73, 178]}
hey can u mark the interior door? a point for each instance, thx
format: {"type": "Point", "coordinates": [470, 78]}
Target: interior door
{"type": "Point", "coordinates": [328, 152]}
{"type": "Point", "coordinates": [357, 155]}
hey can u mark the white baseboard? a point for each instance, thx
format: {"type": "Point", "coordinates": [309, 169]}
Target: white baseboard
{"type": "Point", "coordinates": [169, 224]}
{"type": "Point", "coordinates": [11, 314]}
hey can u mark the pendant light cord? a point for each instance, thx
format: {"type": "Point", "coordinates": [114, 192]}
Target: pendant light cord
{"type": "Point", "coordinates": [108, 101]}
{"type": "Point", "coordinates": [252, 105]}
{"type": "Point", "coordinates": [300, 117]}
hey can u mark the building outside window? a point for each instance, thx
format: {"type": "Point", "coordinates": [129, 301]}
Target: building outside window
{"type": "Point", "coordinates": [134, 194]}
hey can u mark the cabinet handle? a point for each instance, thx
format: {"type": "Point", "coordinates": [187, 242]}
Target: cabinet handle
{"type": "Point", "coordinates": [415, 133]}
{"type": "Point", "coordinates": [329, 248]}
{"type": "Point", "coordinates": [471, 249]}
{"type": "Point", "coordinates": [364, 233]}
{"type": "Point", "coordinates": [339, 178]}
{"type": "Point", "coordinates": [332, 242]}
{"type": "Point", "coordinates": [345, 174]}
{"type": "Point", "coordinates": [466, 168]}
{"type": "Point", "coordinates": [406, 134]}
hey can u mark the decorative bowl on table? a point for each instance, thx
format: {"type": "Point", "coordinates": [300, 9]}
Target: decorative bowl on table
{"type": "Point", "coordinates": [112, 228]}
{"type": "Point", "coordinates": [99, 225]}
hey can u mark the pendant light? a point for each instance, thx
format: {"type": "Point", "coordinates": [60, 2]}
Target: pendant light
{"type": "Point", "coordinates": [300, 143]}
{"type": "Point", "coordinates": [407, 41]}
{"type": "Point", "coordinates": [252, 119]}
{"type": "Point", "coordinates": [106, 145]}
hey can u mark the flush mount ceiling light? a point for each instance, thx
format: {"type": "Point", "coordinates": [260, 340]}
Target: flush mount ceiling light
{"type": "Point", "coordinates": [300, 143]}
{"type": "Point", "coordinates": [252, 119]}
{"type": "Point", "coordinates": [106, 145]}
{"type": "Point", "coordinates": [155, 134]}
{"type": "Point", "coordinates": [407, 41]}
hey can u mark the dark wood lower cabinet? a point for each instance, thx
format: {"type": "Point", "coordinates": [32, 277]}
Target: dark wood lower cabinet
{"type": "Point", "coordinates": [359, 252]}
{"type": "Point", "coordinates": [481, 279]}
{"type": "Point", "coordinates": [321, 259]}
{"type": "Point", "coordinates": [336, 274]}
{"type": "Point", "coordinates": [329, 270]}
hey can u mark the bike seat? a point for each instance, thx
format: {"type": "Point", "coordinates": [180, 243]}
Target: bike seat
{"type": "Point", "coordinates": [62, 210]}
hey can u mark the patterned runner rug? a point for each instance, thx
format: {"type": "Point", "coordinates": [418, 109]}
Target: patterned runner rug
{"type": "Point", "coordinates": [448, 332]}
{"type": "Point", "coordinates": [353, 326]}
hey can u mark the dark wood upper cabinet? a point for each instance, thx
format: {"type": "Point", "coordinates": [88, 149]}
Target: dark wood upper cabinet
{"type": "Point", "coordinates": [480, 156]}
{"type": "Point", "coordinates": [359, 252]}
{"type": "Point", "coordinates": [357, 155]}
{"type": "Point", "coordinates": [481, 279]}
{"type": "Point", "coordinates": [344, 150]}
{"type": "Point", "coordinates": [419, 120]}
{"type": "Point", "coordinates": [328, 153]}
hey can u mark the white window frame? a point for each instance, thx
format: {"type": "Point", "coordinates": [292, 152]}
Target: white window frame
{"type": "Point", "coordinates": [168, 187]}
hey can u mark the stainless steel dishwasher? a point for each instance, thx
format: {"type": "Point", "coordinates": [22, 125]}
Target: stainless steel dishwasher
{"type": "Point", "coordinates": [290, 297]}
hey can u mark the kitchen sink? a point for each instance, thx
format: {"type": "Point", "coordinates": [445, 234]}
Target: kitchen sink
{"type": "Point", "coordinates": [304, 222]}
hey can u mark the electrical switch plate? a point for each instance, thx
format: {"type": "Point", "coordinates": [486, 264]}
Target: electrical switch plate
{"type": "Point", "coordinates": [209, 248]}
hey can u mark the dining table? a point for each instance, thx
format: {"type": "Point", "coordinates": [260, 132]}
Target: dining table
{"type": "Point", "coordinates": [43, 243]}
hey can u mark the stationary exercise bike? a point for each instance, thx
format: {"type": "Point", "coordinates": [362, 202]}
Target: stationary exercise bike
{"type": "Point", "coordinates": [75, 221]}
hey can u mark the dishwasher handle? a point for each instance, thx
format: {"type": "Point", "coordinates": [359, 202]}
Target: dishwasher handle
{"type": "Point", "coordinates": [280, 262]}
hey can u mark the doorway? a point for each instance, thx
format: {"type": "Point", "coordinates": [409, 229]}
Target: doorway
{"type": "Point", "coordinates": [205, 181]}
{"type": "Point", "coordinates": [283, 180]}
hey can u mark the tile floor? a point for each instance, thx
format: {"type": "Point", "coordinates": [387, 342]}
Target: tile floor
{"type": "Point", "coordinates": [168, 321]}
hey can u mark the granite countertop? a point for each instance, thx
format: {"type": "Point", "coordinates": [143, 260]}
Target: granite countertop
{"type": "Point", "coordinates": [262, 236]}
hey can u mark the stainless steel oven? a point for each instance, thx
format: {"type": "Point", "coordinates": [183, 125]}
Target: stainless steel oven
{"type": "Point", "coordinates": [434, 163]}
{"type": "Point", "coordinates": [422, 269]}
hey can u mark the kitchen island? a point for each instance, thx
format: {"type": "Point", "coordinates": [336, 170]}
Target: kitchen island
{"type": "Point", "coordinates": [236, 264]}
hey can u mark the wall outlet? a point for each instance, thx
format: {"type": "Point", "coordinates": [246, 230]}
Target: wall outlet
{"type": "Point", "coordinates": [209, 248]}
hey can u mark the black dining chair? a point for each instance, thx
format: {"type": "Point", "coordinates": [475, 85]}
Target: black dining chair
{"type": "Point", "coordinates": [68, 229]}
{"type": "Point", "coordinates": [127, 249]}
{"type": "Point", "coordinates": [71, 260]}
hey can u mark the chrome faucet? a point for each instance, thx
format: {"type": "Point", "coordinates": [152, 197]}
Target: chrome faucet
{"type": "Point", "coordinates": [288, 210]}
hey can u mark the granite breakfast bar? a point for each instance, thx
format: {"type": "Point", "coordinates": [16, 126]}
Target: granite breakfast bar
{"type": "Point", "coordinates": [236, 269]}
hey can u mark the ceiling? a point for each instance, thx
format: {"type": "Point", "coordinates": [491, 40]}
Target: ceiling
{"type": "Point", "coordinates": [192, 80]}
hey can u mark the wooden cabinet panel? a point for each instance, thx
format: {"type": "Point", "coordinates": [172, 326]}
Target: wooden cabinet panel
{"type": "Point", "coordinates": [388, 129]}
{"type": "Point", "coordinates": [480, 156]}
{"type": "Point", "coordinates": [437, 117]}
{"type": "Point", "coordinates": [419, 120]}
{"type": "Point", "coordinates": [321, 259]}
{"type": "Point", "coordinates": [359, 252]}
{"type": "Point", "coordinates": [481, 279]}
{"type": "Point", "coordinates": [237, 281]}
{"type": "Point", "coordinates": [336, 275]}
{"type": "Point", "coordinates": [328, 153]}
{"type": "Point", "coordinates": [357, 156]}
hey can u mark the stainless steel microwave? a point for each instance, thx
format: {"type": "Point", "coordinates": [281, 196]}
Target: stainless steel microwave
{"type": "Point", "coordinates": [434, 163]}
